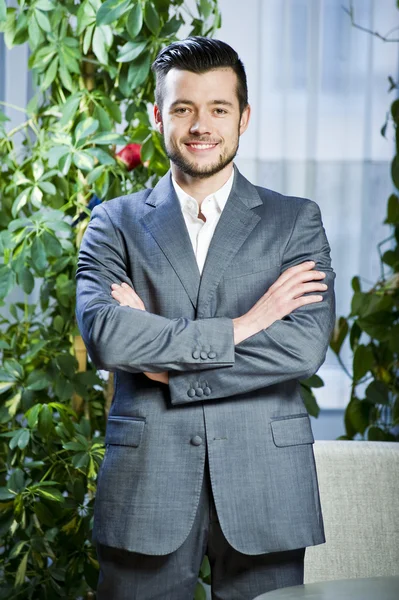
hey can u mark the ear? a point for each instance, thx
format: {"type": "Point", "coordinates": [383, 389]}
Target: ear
{"type": "Point", "coordinates": [244, 120]}
{"type": "Point", "coordinates": [158, 119]}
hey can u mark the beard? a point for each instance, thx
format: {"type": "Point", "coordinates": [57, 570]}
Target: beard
{"type": "Point", "coordinates": [192, 169]}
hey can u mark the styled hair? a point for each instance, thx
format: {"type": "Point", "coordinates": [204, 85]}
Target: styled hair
{"type": "Point", "coordinates": [199, 55]}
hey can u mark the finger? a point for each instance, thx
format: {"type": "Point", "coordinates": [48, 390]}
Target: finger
{"type": "Point", "coordinates": [306, 288]}
{"type": "Point", "coordinates": [303, 300]}
{"type": "Point", "coordinates": [292, 271]}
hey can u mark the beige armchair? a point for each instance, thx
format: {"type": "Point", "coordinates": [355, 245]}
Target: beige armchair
{"type": "Point", "coordinates": [359, 490]}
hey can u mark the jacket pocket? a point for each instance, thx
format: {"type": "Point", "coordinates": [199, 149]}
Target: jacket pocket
{"type": "Point", "coordinates": [125, 431]}
{"type": "Point", "coordinates": [292, 431]}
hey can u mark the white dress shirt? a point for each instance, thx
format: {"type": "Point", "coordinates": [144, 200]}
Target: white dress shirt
{"type": "Point", "coordinates": [201, 232]}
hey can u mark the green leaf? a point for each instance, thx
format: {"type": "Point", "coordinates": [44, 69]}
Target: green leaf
{"type": "Point", "coordinates": [205, 8]}
{"type": "Point", "coordinates": [111, 10]}
{"type": "Point", "coordinates": [43, 21]}
{"type": "Point", "coordinates": [50, 74]}
{"type": "Point", "coordinates": [377, 393]}
{"type": "Point", "coordinates": [13, 368]}
{"type": "Point", "coordinates": [37, 380]}
{"type": "Point", "coordinates": [50, 494]}
{"type": "Point", "coordinates": [5, 494]}
{"type": "Point", "coordinates": [147, 150]}
{"type": "Point", "coordinates": [36, 196]}
{"type": "Point", "coordinates": [363, 361]}
{"type": "Point", "coordinates": [14, 441]}
{"type": "Point", "coordinates": [339, 334]}
{"type": "Point", "coordinates": [44, 515]}
{"type": "Point", "coordinates": [112, 108]}
{"type": "Point", "coordinates": [38, 254]}
{"type": "Point", "coordinates": [7, 280]}
{"type": "Point", "coordinates": [52, 246]}
{"type": "Point", "coordinates": [5, 386]}
{"type": "Point", "coordinates": [395, 171]}
{"type": "Point", "coordinates": [83, 161]}
{"type": "Point", "coordinates": [26, 280]}
{"type": "Point", "coordinates": [45, 5]}
{"type": "Point", "coordinates": [310, 401]}
{"type": "Point", "coordinates": [106, 139]}
{"type": "Point", "coordinates": [88, 38]}
{"type": "Point", "coordinates": [85, 128]}
{"type": "Point", "coordinates": [20, 202]}
{"type": "Point", "coordinates": [20, 576]}
{"type": "Point", "coordinates": [139, 70]}
{"type": "Point", "coordinates": [3, 11]}
{"type": "Point", "coordinates": [24, 438]}
{"type": "Point", "coordinates": [393, 210]}
{"type": "Point", "coordinates": [131, 51]}
{"type": "Point", "coordinates": [56, 153]}
{"type": "Point", "coordinates": [99, 46]}
{"type": "Point", "coordinates": [356, 284]}
{"type": "Point", "coordinates": [45, 422]}
{"type": "Point", "coordinates": [199, 593]}
{"type": "Point", "coordinates": [68, 364]}
{"type": "Point", "coordinates": [95, 174]}
{"type": "Point", "coordinates": [106, 123]}
{"type": "Point", "coordinates": [58, 323]}
{"type": "Point", "coordinates": [205, 569]}
{"type": "Point", "coordinates": [357, 416]}
{"type": "Point", "coordinates": [66, 78]}
{"type": "Point", "coordinates": [12, 404]}
{"type": "Point", "coordinates": [135, 20]}
{"type": "Point", "coordinates": [313, 382]}
{"type": "Point", "coordinates": [32, 415]}
{"type": "Point", "coordinates": [47, 187]}
{"type": "Point", "coordinates": [354, 335]}
{"type": "Point", "coordinates": [151, 18]}
{"type": "Point", "coordinates": [376, 434]}
{"type": "Point", "coordinates": [101, 155]}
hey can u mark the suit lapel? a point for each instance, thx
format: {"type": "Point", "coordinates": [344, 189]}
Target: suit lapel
{"type": "Point", "coordinates": [234, 226]}
{"type": "Point", "coordinates": [166, 224]}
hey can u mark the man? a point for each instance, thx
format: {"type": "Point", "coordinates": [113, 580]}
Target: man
{"type": "Point", "coordinates": [199, 294]}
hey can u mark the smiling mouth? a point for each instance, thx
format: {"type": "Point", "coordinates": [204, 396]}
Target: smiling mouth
{"type": "Point", "coordinates": [200, 146]}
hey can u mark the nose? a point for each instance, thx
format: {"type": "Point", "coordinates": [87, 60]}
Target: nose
{"type": "Point", "coordinates": [201, 124]}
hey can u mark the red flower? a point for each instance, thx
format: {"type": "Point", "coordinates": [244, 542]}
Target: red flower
{"type": "Point", "coordinates": [130, 155]}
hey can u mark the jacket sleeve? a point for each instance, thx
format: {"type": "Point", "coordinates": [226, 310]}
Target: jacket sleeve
{"type": "Point", "coordinates": [291, 348]}
{"type": "Point", "coordinates": [134, 340]}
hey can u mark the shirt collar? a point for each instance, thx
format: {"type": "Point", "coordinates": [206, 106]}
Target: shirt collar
{"type": "Point", "coordinates": [220, 196]}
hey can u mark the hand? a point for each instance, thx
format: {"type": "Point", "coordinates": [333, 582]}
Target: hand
{"type": "Point", "coordinates": [126, 296]}
{"type": "Point", "coordinates": [285, 295]}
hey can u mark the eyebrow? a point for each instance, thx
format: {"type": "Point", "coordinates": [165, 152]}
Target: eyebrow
{"type": "Point", "coordinates": [191, 103]}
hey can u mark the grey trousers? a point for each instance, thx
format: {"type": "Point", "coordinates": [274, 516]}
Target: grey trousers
{"type": "Point", "coordinates": [131, 576]}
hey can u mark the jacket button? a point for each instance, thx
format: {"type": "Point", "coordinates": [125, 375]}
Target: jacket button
{"type": "Point", "coordinates": [196, 440]}
{"type": "Point", "coordinates": [199, 391]}
{"type": "Point", "coordinates": [191, 392]}
{"type": "Point", "coordinates": [196, 354]}
{"type": "Point", "coordinates": [212, 354]}
{"type": "Point", "coordinates": [207, 390]}
{"type": "Point", "coordinates": [204, 354]}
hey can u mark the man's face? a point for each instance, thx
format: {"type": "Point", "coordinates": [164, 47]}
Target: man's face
{"type": "Point", "coordinates": [200, 120]}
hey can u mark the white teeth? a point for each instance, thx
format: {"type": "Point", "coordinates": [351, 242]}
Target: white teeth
{"type": "Point", "coordinates": [202, 146]}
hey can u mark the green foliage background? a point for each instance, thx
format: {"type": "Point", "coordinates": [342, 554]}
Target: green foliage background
{"type": "Point", "coordinates": [90, 63]}
{"type": "Point", "coordinates": [372, 327]}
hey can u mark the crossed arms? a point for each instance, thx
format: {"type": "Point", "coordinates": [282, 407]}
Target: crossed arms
{"type": "Point", "coordinates": [284, 336]}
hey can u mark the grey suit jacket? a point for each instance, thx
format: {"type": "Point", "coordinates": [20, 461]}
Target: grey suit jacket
{"type": "Point", "coordinates": [242, 402]}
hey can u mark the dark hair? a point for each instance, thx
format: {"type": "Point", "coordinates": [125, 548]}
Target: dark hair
{"type": "Point", "coordinates": [199, 55]}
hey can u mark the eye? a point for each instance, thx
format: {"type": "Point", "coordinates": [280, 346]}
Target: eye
{"type": "Point", "coordinates": [181, 110]}
{"type": "Point", "coordinates": [221, 111]}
